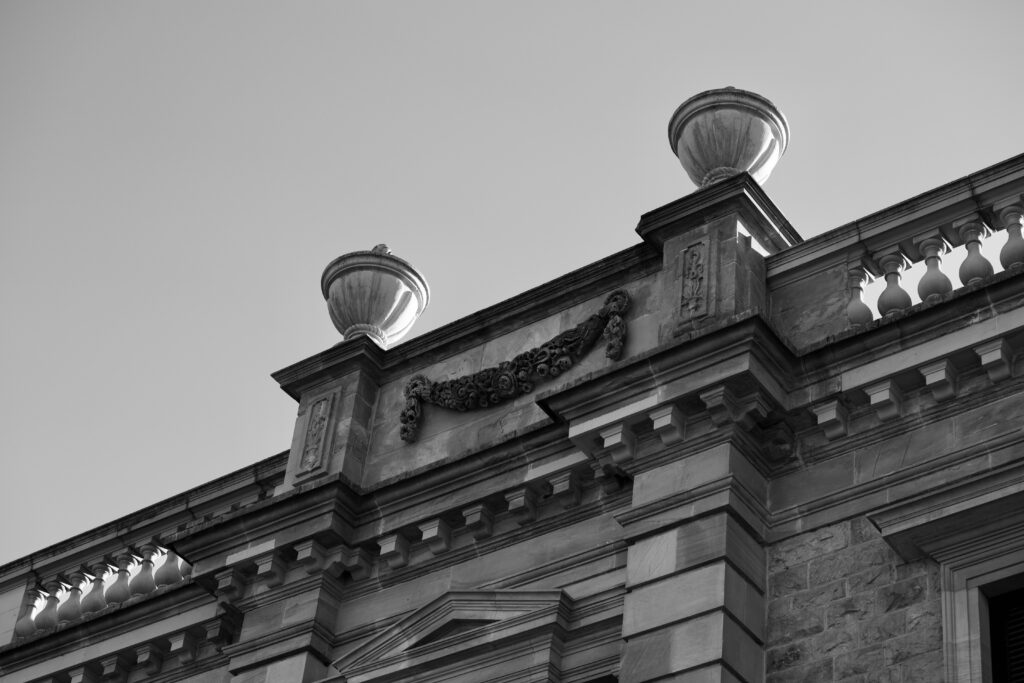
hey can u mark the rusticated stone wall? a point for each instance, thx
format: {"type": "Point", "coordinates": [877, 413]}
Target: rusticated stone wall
{"type": "Point", "coordinates": [843, 606]}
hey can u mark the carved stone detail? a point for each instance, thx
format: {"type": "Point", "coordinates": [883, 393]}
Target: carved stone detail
{"type": "Point", "coordinates": [316, 433]}
{"type": "Point", "coordinates": [515, 377]}
{"type": "Point", "coordinates": [694, 299]}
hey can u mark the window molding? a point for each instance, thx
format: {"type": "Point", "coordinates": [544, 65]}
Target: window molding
{"type": "Point", "coordinates": [974, 529]}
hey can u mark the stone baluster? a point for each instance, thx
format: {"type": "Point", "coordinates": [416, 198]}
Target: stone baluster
{"type": "Point", "coordinates": [47, 617]}
{"type": "Point", "coordinates": [25, 625]}
{"type": "Point", "coordinates": [118, 591]}
{"type": "Point", "coordinates": [144, 583]}
{"type": "Point", "coordinates": [95, 600]}
{"type": "Point", "coordinates": [1011, 215]}
{"type": "Point", "coordinates": [975, 266]}
{"type": "Point", "coordinates": [934, 283]}
{"type": "Point", "coordinates": [169, 572]}
{"type": "Point", "coordinates": [893, 298]}
{"type": "Point", "coordinates": [857, 311]}
{"type": "Point", "coordinates": [71, 610]}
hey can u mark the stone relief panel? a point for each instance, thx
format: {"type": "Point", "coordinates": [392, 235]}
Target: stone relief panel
{"type": "Point", "coordinates": [693, 264]}
{"type": "Point", "coordinates": [518, 376]}
{"type": "Point", "coordinates": [313, 446]}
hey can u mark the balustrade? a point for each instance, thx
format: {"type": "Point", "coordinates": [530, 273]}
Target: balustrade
{"type": "Point", "coordinates": [967, 246]}
{"type": "Point", "coordinates": [61, 599]}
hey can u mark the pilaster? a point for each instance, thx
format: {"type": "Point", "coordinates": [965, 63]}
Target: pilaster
{"type": "Point", "coordinates": [695, 575]}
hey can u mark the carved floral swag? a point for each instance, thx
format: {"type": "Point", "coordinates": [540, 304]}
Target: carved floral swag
{"type": "Point", "coordinates": [515, 377]}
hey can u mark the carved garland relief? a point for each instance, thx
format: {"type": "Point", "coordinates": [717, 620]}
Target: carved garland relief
{"type": "Point", "coordinates": [515, 377]}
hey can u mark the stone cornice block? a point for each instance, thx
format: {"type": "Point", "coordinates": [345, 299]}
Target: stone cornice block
{"type": "Point", "coordinates": [83, 674]}
{"type": "Point", "coordinates": [522, 503]}
{"type": "Point", "coordinates": [437, 535]}
{"type": "Point", "coordinates": [479, 520]}
{"type": "Point", "coordinates": [150, 656]}
{"type": "Point", "coordinates": [619, 442]}
{"type": "Point", "coordinates": [356, 561]}
{"type": "Point", "coordinates": [832, 418]}
{"type": "Point", "coordinates": [270, 568]}
{"type": "Point", "coordinates": [311, 555]}
{"type": "Point", "coordinates": [740, 195]}
{"type": "Point", "coordinates": [394, 549]}
{"type": "Point", "coordinates": [115, 668]}
{"type": "Point", "coordinates": [668, 422]}
{"type": "Point", "coordinates": [996, 358]}
{"type": "Point", "coordinates": [886, 398]}
{"type": "Point", "coordinates": [230, 584]}
{"type": "Point", "coordinates": [941, 378]}
{"type": "Point", "coordinates": [565, 487]}
{"type": "Point", "coordinates": [183, 646]}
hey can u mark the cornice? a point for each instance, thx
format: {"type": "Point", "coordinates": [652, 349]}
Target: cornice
{"type": "Point", "coordinates": [322, 509]}
{"type": "Point", "coordinates": [525, 308]}
{"type": "Point", "coordinates": [740, 193]}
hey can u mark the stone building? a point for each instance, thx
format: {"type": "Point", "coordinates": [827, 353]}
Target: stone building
{"type": "Point", "coordinates": [703, 458]}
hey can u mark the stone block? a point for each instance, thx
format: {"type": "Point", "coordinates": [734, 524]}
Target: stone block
{"type": "Point", "coordinates": [866, 661]}
{"type": "Point", "coordinates": [903, 593]}
{"type": "Point", "coordinates": [694, 643]}
{"type": "Point", "coordinates": [667, 422]}
{"type": "Point", "coordinates": [684, 595]}
{"type": "Point", "coordinates": [832, 418]}
{"type": "Point", "coordinates": [811, 673]}
{"type": "Point", "coordinates": [881, 628]}
{"type": "Point", "coordinates": [696, 470]}
{"type": "Point", "coordinates": [848, 612]}
{"type": "Point", "coordinates": [820, 595]}
{"type": "Point", "coordinates": [785, 625]}
{"type": "Point", "coordinates": [698, 542]}
{"type": "Point", "coordinates": [787, 581]}
{"type": "Point", "coordinates": [996, 358]}
{"type": "Point", "coordinates": [842, 563]}
{"type": "Point", "coordinates": [804, 547]}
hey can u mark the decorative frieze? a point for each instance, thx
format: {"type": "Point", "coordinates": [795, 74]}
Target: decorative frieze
{"type": "Point", "coordinates": [518, 376]}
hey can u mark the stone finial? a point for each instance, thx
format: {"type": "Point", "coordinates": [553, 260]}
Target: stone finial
{"type": "Point", "coordinates": [720, 133]}
{"type": "Point", "coordinates": [374, 293]}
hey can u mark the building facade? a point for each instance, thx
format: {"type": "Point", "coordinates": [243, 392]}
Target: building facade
{"type": "Point", "coordinates": [701, 459]}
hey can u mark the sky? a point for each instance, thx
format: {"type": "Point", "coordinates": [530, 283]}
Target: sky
{"type": "Point", "coordinates": [174, 177]}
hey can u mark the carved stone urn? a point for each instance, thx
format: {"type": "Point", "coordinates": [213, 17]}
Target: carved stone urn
{"type": "Point", "coordinates": [720, 133]}
{"type": "Point", "coordinates": [374, 293]}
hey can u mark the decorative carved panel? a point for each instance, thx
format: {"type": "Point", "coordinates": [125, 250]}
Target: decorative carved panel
{"type": "Point", "coordinates": [515, 377]}
{"type": "Point", "coordinates": [693, 264]}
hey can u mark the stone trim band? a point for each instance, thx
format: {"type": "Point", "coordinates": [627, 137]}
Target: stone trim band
{"type": "Point", "coordinates": [515, 377]}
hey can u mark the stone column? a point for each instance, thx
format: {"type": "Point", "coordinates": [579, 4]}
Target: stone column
{"type": "Point", "coordinates": [694, 610]}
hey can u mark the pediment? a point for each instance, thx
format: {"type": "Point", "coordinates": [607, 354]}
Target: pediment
{"type": "Point", "coordinates": [453, 629]}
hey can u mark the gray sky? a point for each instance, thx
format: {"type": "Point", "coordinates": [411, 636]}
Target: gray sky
{"type": "Point", "coordinates": [174, 176]}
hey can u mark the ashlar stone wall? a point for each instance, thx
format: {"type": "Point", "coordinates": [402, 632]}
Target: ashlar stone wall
{"type": "Point", "coordinates": [844, 607]}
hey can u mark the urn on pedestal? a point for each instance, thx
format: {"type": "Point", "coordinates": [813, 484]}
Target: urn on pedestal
{"type": "Point", "coordinates": [374, 293]}
{"type": "Point", "coordinates": [720, 133]}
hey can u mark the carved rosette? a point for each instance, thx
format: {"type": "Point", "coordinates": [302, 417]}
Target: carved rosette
{"type": "Point", "coordinates": [518, 376]}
